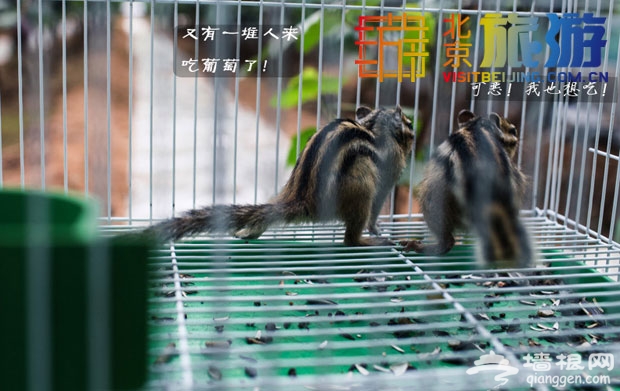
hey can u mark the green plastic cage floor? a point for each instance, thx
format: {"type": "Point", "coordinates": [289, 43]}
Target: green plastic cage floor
{"type": "Point", "coordinates": [300, 314]}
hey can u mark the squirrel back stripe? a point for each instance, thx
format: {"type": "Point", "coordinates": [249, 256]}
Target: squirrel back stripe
{"type": "Point", "coordinates": [325, 154]}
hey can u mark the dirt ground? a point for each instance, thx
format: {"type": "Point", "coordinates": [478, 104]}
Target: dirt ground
{"type": "Point", "coordinates": [97, 121]}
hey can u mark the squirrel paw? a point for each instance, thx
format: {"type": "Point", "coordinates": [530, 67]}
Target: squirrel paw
{"type": "Point", "coordinates": [409, 245]}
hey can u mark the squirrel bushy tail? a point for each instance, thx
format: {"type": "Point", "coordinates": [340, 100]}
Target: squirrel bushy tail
{"type": "Point", "coordinates": [245, 221]}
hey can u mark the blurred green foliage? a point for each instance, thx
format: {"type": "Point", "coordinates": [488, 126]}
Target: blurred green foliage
{"type": "Point", "coordinates": [309, 88]}
{"type": "Point", "coordinates": [303, 138]}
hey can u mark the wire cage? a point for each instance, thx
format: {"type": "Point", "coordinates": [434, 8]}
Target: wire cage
{"type": "Point", "coordinates": [98, 98]}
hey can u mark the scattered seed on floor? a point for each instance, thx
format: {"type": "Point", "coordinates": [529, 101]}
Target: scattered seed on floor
{"type": "Point", "coordinates": [400, 368]}
{"type": "Point", "coordinates": [218, 344]}
{"type": "Point", "coordinates": [320, 302]}
{"type": "Point", "coordinates": [546, 312]}
{"type": "Point", "coordinates": [361, 369]}
{"type": "Point", "coordinates": [169, 352]}
{"type": "Point", "coordinates": [214, 373]}
{"type": "Point", "coordinates": [250, 372]}
{"type": "Point", "coordinates": [398, 349]}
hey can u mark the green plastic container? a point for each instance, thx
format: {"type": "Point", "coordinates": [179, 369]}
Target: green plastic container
{"type": "Point", "coordinates": [73, 303]}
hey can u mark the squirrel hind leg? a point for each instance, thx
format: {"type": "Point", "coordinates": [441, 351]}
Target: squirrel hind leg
{"type": "Point", "coordinates": [374, 229]}
{"type": "Point", "coordinates": [375, 241]}
{"type": "Point", "coordinates": [352, 239]}
{"type": "Point", "coordinates": [442, 247]}
{"type": "Point", "coordinates": [353, 235]}
{"type": "Point", "coordinates": [355, 211]}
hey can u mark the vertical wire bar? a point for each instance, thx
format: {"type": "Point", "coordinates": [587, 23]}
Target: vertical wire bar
{"type": "Point", "coordinates": [130, 109]}
{"type": "Point", "coordinates": [584, 159]}
{"type": "Point", "coordinates": [560, 169]}
{"type": "Point", "coordinates": [551, 144]}
{"type": "Point", "coordinates": [41, 95]}
{"type": "Point", "coordinates": [398, 92]}
{"type": "Point", "coordinates": [258, 93]}
{"type": "Point", "coordinates": [320, 68]}
{"type": "Point", "coordinates": [569, 192]}
{"type": "Point", "coordinates": [151, 93]}
{"type": "Point", "coordinates": [216, 95]}
{"type": "Point", "coordinates": [476, 48]}
{"type": "Point", "coordinates": [195, 134]}
{"type": "Point", "coordinates": [279, 97]}
{"type": "Point", "coordinates": [490, 101]}
{"type": "Point", "coordinates": [612, 116]}
{"type": "Point", "coordinates": [64, 97]}
{"type": "Point", "coordinates": [20, 94]}
{"type": "Point", "coordinates": [184, 356]}
{"type": "Point", "coordinates": [596, 144]}
{"type": "Point", "coordinates": [573, 161]}
{"type": "Point", "coordinates": [453, 92]}
{"type": "Point", "coordinates": [359, 79]}
{"type": "Point", "coordinates": [552, 156]}
{"type": "Point", "coordinates": [537, 156]}
{"type": "Point", "coordinates": [109, 107]}
{"type": "Point", "coordinates": [593, 170]}
{"type": "Point", "coordinates": [436, 81]}
{"type": "Point", "coordinates": [524, 109]}
{"type": "Point", "coordinates": [302, 25]}
{"type": "Point", "coordinates": [402, 37]}
{"type": "Point", "coordinates": [174, 106]}
{"type": "Point", "coordinates": [236, 119]}
{"type": "Point", "coordinates": [415, 139]}
{"type": "Point", "coordinates": [523, 99]}
{"type": "Point", "coordinates": [608, 149]}
{"type": "Point", "coordinates": [86, 138]}
{"type": "Point", "coordinates": [524, 106]}
{"type": "Point", "coordinates": [379, 62]}
{"type": "Point", "coordinates": [341, 61]}
{"type": "Point", "coordinates": [509, 70]}
{"type": "Point", "coordinates": [560, 158]}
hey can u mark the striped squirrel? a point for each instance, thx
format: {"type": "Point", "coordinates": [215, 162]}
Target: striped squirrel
{"type": "Point", "coordinates": [345, 173]}
{"type": "Point", "coordinates": [472, 182]}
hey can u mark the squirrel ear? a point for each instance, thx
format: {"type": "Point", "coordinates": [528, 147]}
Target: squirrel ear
{"type": "Point", "coordinates": [497, 120]}
{"type": "Point", "coordinates": [362, 112]}
{"type": "Point", "coordinates": [465, 116]}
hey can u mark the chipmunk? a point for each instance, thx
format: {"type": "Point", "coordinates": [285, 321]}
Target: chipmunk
{"type": "Point", "coordinates": [471, 181]}
{"type": "Point", "coordinates": [345, 173]}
